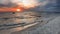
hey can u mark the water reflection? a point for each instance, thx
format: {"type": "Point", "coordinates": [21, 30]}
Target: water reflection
{"type": "Point", "coordinates": [16, 22]}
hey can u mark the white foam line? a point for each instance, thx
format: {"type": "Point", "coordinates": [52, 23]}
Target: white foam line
{"type": "Point", "coordinates": [29, 25]}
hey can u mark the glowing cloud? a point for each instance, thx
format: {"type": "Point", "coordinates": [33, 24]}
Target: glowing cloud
{"type": "Point", "coordinates": [26, 3]}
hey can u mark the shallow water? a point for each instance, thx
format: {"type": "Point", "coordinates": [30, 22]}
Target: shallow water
{"type": "Point", "coordinates": [15, 22]}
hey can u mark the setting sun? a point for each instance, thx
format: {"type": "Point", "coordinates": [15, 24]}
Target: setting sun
{"type": "Point", "coordinates": [18, 10]}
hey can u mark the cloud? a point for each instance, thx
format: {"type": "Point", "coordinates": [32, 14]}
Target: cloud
{"type": "Point", "coordinates": [42, 5]}
{"type": "Point", "coordinates": [48, 6]}
{"type": "Point", "coordinates": [6, 3]}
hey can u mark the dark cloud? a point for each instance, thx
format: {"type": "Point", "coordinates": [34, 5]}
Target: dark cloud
{"type": "Point", "coordinates": [7, 3]}
{"type": "Point", "coordinates": [51, 6]}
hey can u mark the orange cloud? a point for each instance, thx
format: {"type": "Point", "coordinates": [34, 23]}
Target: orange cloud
{"type": "Point", "coordinates": [5, 9]}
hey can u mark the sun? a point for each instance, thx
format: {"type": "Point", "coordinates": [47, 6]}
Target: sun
{"type": "Point", "coordinates": [18, 10]}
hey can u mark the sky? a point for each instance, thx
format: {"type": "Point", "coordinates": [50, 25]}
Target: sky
{"type": "Point", "coordinates": [17, 2]}
{"type": "Point", "coordinates": [38, 5]}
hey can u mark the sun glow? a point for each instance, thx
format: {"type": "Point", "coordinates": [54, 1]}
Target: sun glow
{"type": "Point", "coordinates": [28, 3]}
{"type": "Point", "coordinates": [25, 3]}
